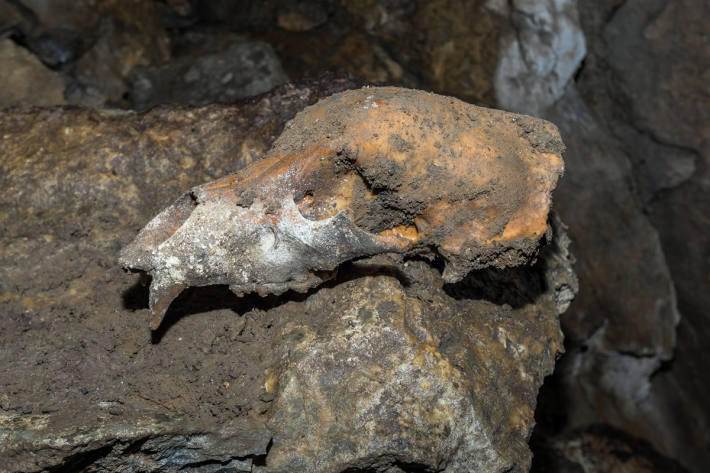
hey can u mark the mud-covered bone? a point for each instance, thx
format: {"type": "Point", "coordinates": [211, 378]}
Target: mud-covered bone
{"type": "Point", "coordinates": [362, 172]}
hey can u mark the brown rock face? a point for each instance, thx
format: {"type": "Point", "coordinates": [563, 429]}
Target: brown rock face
{"type": "Point", "coordinates": [29, 82]}
{"type": "Point", "coordinates": [401, 370]}
{"type": "Point", "coordinates": [363, 172]}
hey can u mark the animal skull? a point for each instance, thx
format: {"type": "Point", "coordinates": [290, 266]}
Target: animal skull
{"type": "Point", "coordinates": [363, 172]}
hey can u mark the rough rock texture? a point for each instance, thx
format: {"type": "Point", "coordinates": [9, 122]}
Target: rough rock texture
{"type": "Point", "coordinates": [239, 69]}
{"type": "Point", "coordinates": [99, 76]}
{"type": "Point", "coordinates": [540, 55]}
{"type": "Point", "coordinates": [406, 377]}
{"type": "Point", "coordinates": [224, 390]}
{"type": "Point", "coordinates": [363, 172]}
{"type": "Point", "coordinates": [616, 323]}
{"type": "Point", "coordinates": [601, 449]}
{"type": "Point", "coordinates": [647, 94]}
{"type": "Point", "coordinates": [92, 44]}
{"type": "Point", "coordinates": [28, 81]}
{"type": "Point", "coordinates": [622, 327]}
{"type": "Point", "coordinates": [118, 54]}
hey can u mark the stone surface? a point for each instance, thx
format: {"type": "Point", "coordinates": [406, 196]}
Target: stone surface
{"type": "Point", "coordinates": [615, 310]}
{"type": "Point", "coordinates": [644, 80]}
{"type": "Point", "coordinates": [601, 449]}
{"type": "Point", "coordinates": [399, 380]}
{"type": "Point", "coordinates": [646, 77]}
{"type": "Point", "coordinates": [10, 18]}
{"type": "Point", "coordinates": [540, 55]}
{"type": "Point", "coordinates": [239, 69]}
{"type": "Point", "coordinates": [61, 31]}
{"type": "Point", "coordinates": [450, 46]}
{"type": "Point", "coordinates": [100, 76]}
{"type": "Point", "coordinates": [78, 186]}
{"type": "Point", "coordinates": [27, 81]}
{"type": "Point", "coordinates": [84, 16]}
{"type": "Point", "coordinates": [618, 335]}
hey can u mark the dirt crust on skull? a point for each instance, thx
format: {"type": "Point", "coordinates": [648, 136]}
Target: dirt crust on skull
{"type": "Point", "coordinates": [362, 172]}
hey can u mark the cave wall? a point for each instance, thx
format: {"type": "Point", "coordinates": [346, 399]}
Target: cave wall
{"type": "Point", "coordinates": [626, 81]}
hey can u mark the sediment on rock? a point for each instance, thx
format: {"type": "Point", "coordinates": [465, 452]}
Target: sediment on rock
{"type": "Point", "coordinates": [372, 371]}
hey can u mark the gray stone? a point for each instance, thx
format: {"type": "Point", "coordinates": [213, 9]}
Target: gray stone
{"type": "Point", "coordinates": [646, 81]}
{"type": "Point", "coordinates": [540, 54]}
{"type": "Point", "coordinates": [242, 69]}
{"type": "Point", "coordinates": [623, 324]}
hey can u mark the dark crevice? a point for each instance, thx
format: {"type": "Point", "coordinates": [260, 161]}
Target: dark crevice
{"type": "Point", "coordinates": [431, 256]}
{"type": "Point", "coordinates": [580, 69]}
{"type": "Point", "coordinates": [516, 287]}
{"type": "Point", "coordinates": [136, 297]}
{"type": "Point", "coordinates": [135, 447]}
{"type": "Point", "coordinates": [80, 461]}
{"type": "Point", "coordinates": [665, 367]}
{"type": "Point", "coordinates": [260, 460]}
{"type": "Point", "coordinates": [634, 354]}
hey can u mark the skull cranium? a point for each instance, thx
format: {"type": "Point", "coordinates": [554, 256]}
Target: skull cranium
{"type": "Point", "coordinates": [362, 172]}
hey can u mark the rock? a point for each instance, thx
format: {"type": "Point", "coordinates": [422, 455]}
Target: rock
{"type": "Point", "coordinates": [540, 55]}
{"type": "Point", "coordinates": [25, 81]}
{"type": "Point", "coordinates": [95, 44]}
{"type": "Point", "coordinates": [622, 327]}
{"type": "Point", "coordinates": [645, 81]}
{"type": "Point", "coordinates": [627, 80]}
{"type": "Point", "coordinates": [338, 48]}
{"type": "Point", "coordinates": [391, 382]}
{"type": "Point", "coordinates": [518, 55]}
{"type": "Point", "coordinates": [10, 18]}
{"type": "Point", "coordinates": [216, 389]}
{"type": "Point", "coordinates": [60, 32]}
{"type": "Point", "coordinates": [601, 449]}
{"type": "Point", "coordinates": [145, 443]}
{"type": "Point", "coordinates": [242, 69]}
{"type": "Point", "coordinates": [449, 46]}
{"type": "Point", "coordinates": [642, 39]}
{"type": "Point", "coordinates": [618, 335]}
{"type": "Point", "coordinates": [301, 16]}
{"type": "Point", "coordinates": [85, 16]}
{"type": "Point", "coordinates": [101, 74]}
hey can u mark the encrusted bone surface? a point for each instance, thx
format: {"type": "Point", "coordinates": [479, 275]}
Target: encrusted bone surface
{"type": "Point", "coordinates": [362, 172]}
